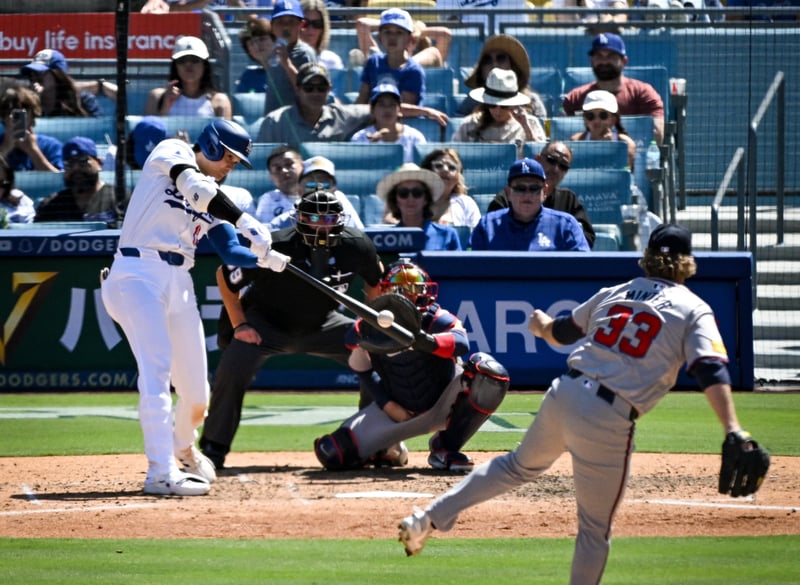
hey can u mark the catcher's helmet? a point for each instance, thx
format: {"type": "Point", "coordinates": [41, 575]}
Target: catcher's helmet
{"type": "Point", "coordinates": [411, 281]}
{"type": "Point", "coordinates": [221, 135]}
{"type": "Point", "coordinates": [319, 217]}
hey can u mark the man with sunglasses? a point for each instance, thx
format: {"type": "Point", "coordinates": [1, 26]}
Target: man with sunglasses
{"type": "Point", "coordinates": [85, 196]}
{"type": "Point", "coordinates": [556, 160]}
{"type": "Point", "coordinates": [280, 314]}
{"type": "Point", "coordinates": [527, 225]}
{"type": "Point", "coordinates": [313, 119]}
{"type": "Point", "coordinates": [635, 98]}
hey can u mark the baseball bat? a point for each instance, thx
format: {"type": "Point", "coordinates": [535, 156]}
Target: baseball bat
{"type": "Point", "coordinates": [367, 313]}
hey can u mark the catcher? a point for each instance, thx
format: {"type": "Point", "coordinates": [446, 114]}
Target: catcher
{"type": "Point", "coordinates": [632, 339]}
{"type": "Point", "coordinates": [418, 389]}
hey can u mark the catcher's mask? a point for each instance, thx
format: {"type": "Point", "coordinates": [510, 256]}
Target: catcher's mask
{"type": "Point", "coordinates": [412, 282]}
{"type": "Point", "coordinates": [319, 218]}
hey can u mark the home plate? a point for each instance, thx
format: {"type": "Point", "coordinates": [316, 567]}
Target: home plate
{"type": "Point", "coordinates": [385, 494]}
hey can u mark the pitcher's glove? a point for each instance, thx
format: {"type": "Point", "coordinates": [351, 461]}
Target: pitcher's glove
{"type": "Point", "coordinates": [744, 465]}
{"type": "Point", "coordinates": [374, 339]}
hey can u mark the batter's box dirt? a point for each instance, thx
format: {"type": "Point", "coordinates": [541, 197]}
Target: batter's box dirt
{"type": "Point", "coordinates": [288, 495]}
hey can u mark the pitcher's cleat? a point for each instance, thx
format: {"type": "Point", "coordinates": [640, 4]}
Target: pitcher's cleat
{"type": "Point", "coordinates": [414, 531]}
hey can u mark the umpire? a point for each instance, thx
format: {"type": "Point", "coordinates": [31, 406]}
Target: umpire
{"type": "Point", "coordinates": [281, 314]}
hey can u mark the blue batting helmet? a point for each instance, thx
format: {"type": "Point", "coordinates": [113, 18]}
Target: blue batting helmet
{"type": "Point", "coordinates": [221, 135]}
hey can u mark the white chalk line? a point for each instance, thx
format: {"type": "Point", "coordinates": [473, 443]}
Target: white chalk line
{"type": "Point", "coordinates": [690, 503]}
{"type": "Point", "coordinates": [81, 509]}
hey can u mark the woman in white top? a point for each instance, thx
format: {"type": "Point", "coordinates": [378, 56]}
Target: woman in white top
{"type": "Point", "coordinates": [384, 103]}
{"type": "Point", "coordinates": [190, 90]}
{"type": "Point", "coordinates": [15, 206]}
{"type": "Point", "coordinates": [316, 31]}
{"type": "Point", "coordinates": [454, 207]}
{"type": "Point", "coordinates": [500, 116]}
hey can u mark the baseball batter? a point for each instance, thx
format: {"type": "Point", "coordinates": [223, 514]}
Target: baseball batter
{"type": "Point", "coordinates": [149, 292]}
{"type": "Point", "coordinates": [417, 390]}
{"type": "Point", "coordinates": [633, 338]}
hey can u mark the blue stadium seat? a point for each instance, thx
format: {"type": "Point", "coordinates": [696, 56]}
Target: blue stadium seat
{"type": "Point", "coordinates": [361, 182]}
{"type": "Point", "coordinates": [260, 152]}
{"type": "Point", "coordinates": [549, 84]}
{"type": "Point", "coordinates": [475, 156]}
{"type": "Point", "coordinates": [354, 156]}
{"type": "Point", "coordinates": [249, 105]}
{"type": "Point", "coordinates": [483, 200]}
{"type": "Point", "coordinates": [339, 82]}
{"type": "Point", "coordinates": [192, 125]}
{"type": "Point", "coordinates": [439, 80]}
{"type": "Point", "coordinates": [38, 184]}
{"type": "Point", "coordinates": [430, 129]}
{"type": "Point", "coordinates": [483, 181]}
{"type": "Point", "coordinates": [255, 181]}
{"type": "Point", "coordinates": [608, 237]}
{"type": "Point", "coordinates": [603, 192]}
{"type": "Point", "coordinates": [372, 208]}
{"type": "Point", "coordinates": [65, 127]}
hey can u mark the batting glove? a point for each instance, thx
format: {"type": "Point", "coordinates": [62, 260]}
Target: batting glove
{"type": "Point", "coordinates": [257, 233]}
{"type": "Point", "coordinates": [273, 260]}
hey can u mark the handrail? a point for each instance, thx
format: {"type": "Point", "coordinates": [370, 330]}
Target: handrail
{"type": "Point", "coordinates": [734, 166]}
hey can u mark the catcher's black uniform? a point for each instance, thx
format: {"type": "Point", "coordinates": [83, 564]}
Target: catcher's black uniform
{"type": "Point", "coordinates": [291, 316]}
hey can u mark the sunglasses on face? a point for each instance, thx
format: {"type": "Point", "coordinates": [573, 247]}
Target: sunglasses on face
{"type": "Point", "coordinates": [530, 188]}
{"type": "Point", "coordinates": [591, 115]}
{"type": "Point", "coordinates": [321, 219]}
{"type": "Point", "coordinates": [314, 87]}
{"type": "Point", "coordinates": [317, 185]}
{"type": "Point", "coordinates": [495, 58]}
{"type": "Point", "coordinates": [190, 59]}
{"type": "Point", "coordinates": [415, 192]}
{"type": "Point", "coordinates": [440, 166]}
{"type": "Point", "coordinates": [554, 160]}
{"type": "Point", "coordinates": [318, 24]}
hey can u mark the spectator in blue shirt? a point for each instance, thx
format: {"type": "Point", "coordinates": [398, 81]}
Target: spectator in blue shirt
{"type": "Point", "coordinates": [395, 66]}
{"type": "Point", "coordinates": [409, 194]}
{"type": "Point", "coordinates": [526, 225]}
{"type": "Point", "coordinates": [25, 150]}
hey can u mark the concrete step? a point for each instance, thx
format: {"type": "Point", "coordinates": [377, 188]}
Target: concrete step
{"type": "Point", "coordinates": [767, 246]}
{"type": "Point", "coordinates": [780, 272]}
{"type": "Point", "coordinates": [775, 325]}
{"type": "Point", "coordinates": [776, 297]}
{"type": "Point", "coordinates": [775, 353]}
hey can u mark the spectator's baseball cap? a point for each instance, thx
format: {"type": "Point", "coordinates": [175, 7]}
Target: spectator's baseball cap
{"type": "Point", "coordinates": [79, 146]}
{"type": "Point", "coordinates": [45, 60]}
{"type": "Point", "coordinates": [608, 41]}
{"type": "Point", "coordinates": [384, 89]}
{"type": "Point", "coordinates": [186, 46]}
{"type": "Point", "coordinates": [397, 17]}
{"type": "Point", "coordinates": [146, 134]}
{"type": "Point", "coordinates": [287, 8]}
{"type": "Point", "coordinates": [600, 99]}
{"type": "Point", "coordinates": [309, 71]}
{"type": "Point", "coordinates": [670, 238]}
{"type": "Point", "coordinates": [318, 163]}
{"type": "Point", "coordinates": [526, 167]}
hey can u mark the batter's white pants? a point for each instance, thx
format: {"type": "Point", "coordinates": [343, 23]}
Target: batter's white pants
{"type": "Point", "coordinates": [155, 305]}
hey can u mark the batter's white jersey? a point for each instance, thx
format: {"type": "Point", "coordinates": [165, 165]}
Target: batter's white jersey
{"type": "Point", "coordinates": [640, 333]}
{"type": "Point", "coordinates": [158, 216]}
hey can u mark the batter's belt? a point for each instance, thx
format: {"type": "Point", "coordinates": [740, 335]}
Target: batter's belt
{"type": "Point", "coordinates": [608, 395]}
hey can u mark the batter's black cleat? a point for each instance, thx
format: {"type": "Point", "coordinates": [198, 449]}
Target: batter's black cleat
{"type": "Point", "coordinates": [451, 461]}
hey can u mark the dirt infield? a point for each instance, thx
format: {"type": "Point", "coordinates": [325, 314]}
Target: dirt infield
{"type": "Point", "coordinates": [287, 495]}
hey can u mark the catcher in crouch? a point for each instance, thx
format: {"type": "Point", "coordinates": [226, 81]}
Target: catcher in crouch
{"type": "Point", "coordinates": [418, 389]}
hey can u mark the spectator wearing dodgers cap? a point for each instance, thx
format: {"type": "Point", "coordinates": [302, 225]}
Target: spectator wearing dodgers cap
{"type": "Point", "coordinates": [85, 196]}
{"type": "Point", "coordinates": [190, 89]}
{"type": "Point", "coordinates": [387, 125]}
{"type": "Point", "coordinates": [526, 225]}
{"type": "Point", "coordinates": [608, 58]}
{"type": "Point", "coordinates": [395, 65]}
{"type": "Point", "coordinates": [60, 94]}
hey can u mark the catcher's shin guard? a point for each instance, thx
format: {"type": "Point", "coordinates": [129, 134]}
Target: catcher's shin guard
{"type": "Point", "coordinates": [486, 383]}
{"type": "Point", "coordinates": [338, 450]}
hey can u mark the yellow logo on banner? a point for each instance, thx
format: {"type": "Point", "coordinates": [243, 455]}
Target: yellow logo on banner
{"type": "Point", "coordinates": [32, 288]}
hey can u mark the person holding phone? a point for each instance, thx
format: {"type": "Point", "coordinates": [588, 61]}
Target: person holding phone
{"type": "Point", "coordinates": [23, 149]}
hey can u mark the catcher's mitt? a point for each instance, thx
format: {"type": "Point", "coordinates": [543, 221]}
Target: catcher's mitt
{"type": "Point", "coordinates": [374, 339]}
{"type": "Point", "coordinates": [744, 465]}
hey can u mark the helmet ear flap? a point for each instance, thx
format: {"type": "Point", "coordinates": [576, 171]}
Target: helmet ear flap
{"type": "Point", "coordinates": [210, 145]}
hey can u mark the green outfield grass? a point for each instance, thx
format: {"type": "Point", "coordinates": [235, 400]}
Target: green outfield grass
{"type": "Point", "coordinates": [507, 561]}
{"type": "Point", "coordinates": [682, 423]}
{"type": "Point", "coordinates": [60, 424]}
